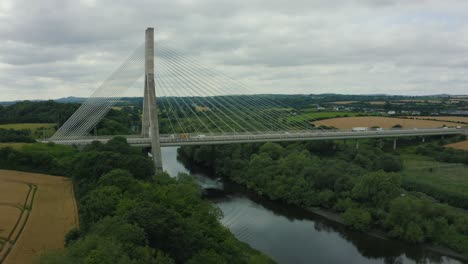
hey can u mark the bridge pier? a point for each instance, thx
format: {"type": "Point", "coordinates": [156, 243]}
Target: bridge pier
{"type": "Point", "coordinates": [394, 143]}
{"type": "Point", "coordinates": [357, 144]}
{"type": "Point", "coordinates": [150, 125]}
{"type": "Point", "coordinates": [423, 139]}
{"type": "Point", "coordinates": [381, 144]}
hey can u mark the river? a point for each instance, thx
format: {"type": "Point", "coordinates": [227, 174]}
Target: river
{"type": "Point", "coordinates": [291, 235]}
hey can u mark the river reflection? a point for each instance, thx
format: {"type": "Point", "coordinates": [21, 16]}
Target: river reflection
{"type": "Point", "coordinates": [290, 235]}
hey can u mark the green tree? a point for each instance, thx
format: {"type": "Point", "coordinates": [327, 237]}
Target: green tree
{"type": "Point", "coordinates": [377, 188]}
{"type": "Point", "coordinates": [357, 218]}
{"type": "Point", "coordinates": [274, 150]}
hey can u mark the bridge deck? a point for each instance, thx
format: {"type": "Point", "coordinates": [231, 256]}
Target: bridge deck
{"type": "Point", "coordinates": [176, 140]}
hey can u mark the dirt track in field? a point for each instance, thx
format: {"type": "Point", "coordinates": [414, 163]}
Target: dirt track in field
{"type": "Point", "coordinates": [384, 122]}
{"type": "Point", "coordinates": [52, 215]}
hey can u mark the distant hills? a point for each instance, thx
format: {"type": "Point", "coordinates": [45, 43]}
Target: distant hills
{"type": "Point", "coordinates": [73, 99]}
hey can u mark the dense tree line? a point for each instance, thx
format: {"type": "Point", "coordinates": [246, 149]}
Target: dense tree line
{"type": "Point", "coordinates": [363, 185]}
{"type": "Point", "coordinates": [37, 112]}
{"type": "Point", "coordinates": [11, 135]}
{"type": "Point", "coordinates": [128, 215]}
{"type": "Point", "coordinates": [123, 121]}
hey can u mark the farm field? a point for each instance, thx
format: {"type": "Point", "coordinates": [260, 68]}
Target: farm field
{"type": "Point", "coordinates": [377, 102]}
{"type": "Point", "coordinates": [315, 115]}
{"type": "Point", "coordinates": [463, 119]}
{"type": "Point", "coordinates": [459, 145]}
{"type": "Point", "coordinates": [343, 102]}
{"type": "Point", "coordinates": [384, 122]}
{"type": "Point", "coordinates": [13, 145]}
{"type": "Point", "coordinates": [32, 126]}
{"type": "Point", "coordinates": [444, 181]}
{"type": "Point", "coordinates": [51, 149]}
{"type": "Point", "coordinates": [38, 130]}
{"type": "Point", "coordinates": [42, 209]}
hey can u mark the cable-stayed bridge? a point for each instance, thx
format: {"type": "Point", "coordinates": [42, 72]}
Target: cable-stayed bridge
{"type": "Point", "coordinates": [196, 105]}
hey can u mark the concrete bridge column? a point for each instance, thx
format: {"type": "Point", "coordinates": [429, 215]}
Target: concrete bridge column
{"type": "Point", "coordinates": [150, 113]}
{"type": "Point", "coordinates": [394, 143]}
{"type": "Point", "coordinates": [423, 139]}
{"type": "Point", "coordinates": [381, 143]}
{"type": "Point", "coordinates": [357, 144]}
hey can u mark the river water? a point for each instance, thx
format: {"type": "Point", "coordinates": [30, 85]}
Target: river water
{"type": "Point", "coordinates": [291, 235]}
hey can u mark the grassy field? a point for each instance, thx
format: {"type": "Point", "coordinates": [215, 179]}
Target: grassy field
{"type": "Point", "coordinates": [14, 145]}
{"type": "Point", "coordinates": [36, 128]}
{"type": "Point", "coordinates": [31, 126]}
{"type": "Point", "coordinates": [444, 181]}
{"type": "Point", "coordinates": [320, 115]}
{"type": "Point", "coordinates": [51, 149]}
{"type": "Point", "coordinates": [44, 210]}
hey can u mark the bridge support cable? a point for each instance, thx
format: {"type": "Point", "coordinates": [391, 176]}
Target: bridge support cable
{"type": "Point", "coordinates": [166, 112]}
{"type": "Point", "coordinates": [165, 98]}
{"type": "Point", "coordinates": [201, 92]}
{"type": "Point", "coordinates": [177, 85]}
{"type": "Point", "coordinates": [192, 82]}
{"type": "Point", "coordinates": [163, 82]}
{"type": "Point", "coordinates": [189, 86]}
{"type": "Point", "coordinates": [100, 102]}
{"type": "Point", "coordinates": [248, 114]}
{"type": "Point", "coordinates": [74, 126]}
{"type": "Point", "coordinates": [189, 106]}
{"type": "Point", "coordinates": [213, 77]}
{"type": "Point", "coordinates": [189, 69]}
{"type": "Point", "coordinates": [237, 88]}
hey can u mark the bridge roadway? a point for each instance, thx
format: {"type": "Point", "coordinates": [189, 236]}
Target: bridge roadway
{"type": "Point", "coordinates": [211, 139]}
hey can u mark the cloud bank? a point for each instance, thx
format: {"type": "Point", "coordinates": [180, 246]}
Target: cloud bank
{"type": "Point", "coordinates": [58, 48]}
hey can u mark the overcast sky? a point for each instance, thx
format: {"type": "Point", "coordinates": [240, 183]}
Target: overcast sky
{"type": "Point", "coordinates": [52, 49]}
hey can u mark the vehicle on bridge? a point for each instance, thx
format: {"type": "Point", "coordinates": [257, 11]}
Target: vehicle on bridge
{"type": "Point", "coordinates": [359, 129]}
{"type": "Point", "coordinates": [184, 136]}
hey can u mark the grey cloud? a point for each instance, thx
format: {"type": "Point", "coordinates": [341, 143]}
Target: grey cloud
{"type": "Point", "coordinates": [54, 48]}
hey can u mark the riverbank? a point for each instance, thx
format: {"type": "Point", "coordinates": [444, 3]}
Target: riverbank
{"type": "Point", "coordinates": [335, 217]}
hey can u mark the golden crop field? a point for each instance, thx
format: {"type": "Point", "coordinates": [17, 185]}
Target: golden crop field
{"type": "Point", "coordinates": [377, 102]}
{"type": "Point", "coordinates": [459, 145]}
{"type": "Point", "coordinates": [36, 211]}
{"type": "Point", "coordinates": [384, 122]}
{"type": "Point", "coordinates": [463, 119]}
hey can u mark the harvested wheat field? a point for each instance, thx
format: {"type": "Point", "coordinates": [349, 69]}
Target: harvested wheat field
{"type": "Point", "coordinates": [13, 192]}
{"type": "Point", "coordinates": [9, 216]}
{"type": "Point", "coordinates": [463, 119]}
{"type": "Point", "coordinates": [459, 145]}
{"type": "Point", "coordinates": [48, 212]}
{"type": "Point", "coordinates": [384, 122]}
